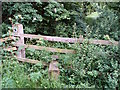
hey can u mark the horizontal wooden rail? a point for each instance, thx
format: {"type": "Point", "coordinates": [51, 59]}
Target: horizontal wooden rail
{"type": "Point", "coordinates": [31, 61]}
{"type": "Point", "coordinates": [69, 40]}
{"type": "Point", "coordinates": [103, 42]}
{"type": "Point", "coordinates": [62, 39]}
{"type": "Point", "coordinates": [26, 60]}
{"type": "Point", "coordinates": [10, 48]}
{"type": "Point", "coordinates": [50, 38]}
{"type": "Point", "coordinates": [6, 38]}
{"type": "Point", "coordinates": [47, 48]}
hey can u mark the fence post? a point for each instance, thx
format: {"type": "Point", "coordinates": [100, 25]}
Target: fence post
{"type": "Point", "coordinates": [18, 30]}
{"type": "Point", "coordinates": [54, 71]}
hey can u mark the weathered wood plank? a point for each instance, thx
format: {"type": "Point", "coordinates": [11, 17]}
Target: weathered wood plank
{"type": "Point", "coordinates": [69, 40]}
{"type": "Point", "coordinates": [31, 61]}
{"type": "Point", "coordinates": [28, 60]}
{"type": "Point", "coordinates": [47, 48]}
{"type": "Point", "coordinates": [103, 42]}
{"type": "Point", "coordinates": [6, 38]}
{"type": "Point", "coordinates": [50, 38]}
{"type": "Point", "coordinates": [9, 49]}
{"type": "Point", "coordinates": [54, 71]}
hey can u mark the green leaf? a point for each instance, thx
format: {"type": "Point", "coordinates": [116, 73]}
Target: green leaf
{"type": "Point", "coordinates": [31, 49]}
{"type": "Point", "coordinates": [35, 76]}
{"type": "Point", "coordinates": [1, 43]}
{"type": "Point", "coordinates": [20, 47]}
{"type": "Point", "coordinates": [38, 1]}
{"type": "Point", "coordinates": [10, 28]}
{"type": "Point", "coordinates": [13, 43]}
{"type": "Point", "coordinates": [39, 64]}
{"type": "Point", "coordinates": [93, 15]}
{"type": "Point", "coordinates": [4, 35]}
{"type": "Point", "coordinates": [90, 73]}
{"type": "Point", "coordinates": [95, 73]}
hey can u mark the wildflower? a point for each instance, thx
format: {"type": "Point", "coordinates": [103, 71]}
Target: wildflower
{"type": "Point", "coordinates": [10, 18]}
{"type": "Point", "coordinates": [55, 10]}
{"type": "Point", "coordinates": [34, 19]}
{"type": "Point", "coordinates": [107, 37]}
{"type": "Point", "coordinates": [62, 5]}
{"type": "Point", "coordinates": [19, 16]}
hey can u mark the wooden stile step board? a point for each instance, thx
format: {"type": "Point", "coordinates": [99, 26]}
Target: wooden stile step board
{"type": "Point", "coordinates": [30, 61]}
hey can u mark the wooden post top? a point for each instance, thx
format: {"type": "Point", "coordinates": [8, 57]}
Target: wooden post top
{"type": "Point", "coordinates": [54, 57]}
{"type": "Point", "coordinates": [53, 66]}
{"type": "Point", "coordinates": [17, 29]}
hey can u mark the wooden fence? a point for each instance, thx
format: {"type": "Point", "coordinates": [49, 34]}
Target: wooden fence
{"type": "Point", "coordinates": [18, 32]}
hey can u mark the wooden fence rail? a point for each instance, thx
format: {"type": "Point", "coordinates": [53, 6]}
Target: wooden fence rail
{"type": "Point", "coordinates": [46, 48]}
{"type": "Point", "coordinates": [69, 40]}
{"type": "Point", "coordinates": [31, 61]}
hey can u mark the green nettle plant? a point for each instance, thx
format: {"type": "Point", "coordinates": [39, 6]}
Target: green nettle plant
{"type": "Point", "coordinates": [97, 65]}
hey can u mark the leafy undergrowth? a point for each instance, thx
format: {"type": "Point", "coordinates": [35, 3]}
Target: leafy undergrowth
{"type": "Point", "coordinates": [93, 66]}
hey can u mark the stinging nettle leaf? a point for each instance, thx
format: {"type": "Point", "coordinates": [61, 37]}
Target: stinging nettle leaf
{"type": "Point", "coordinates": [93, 15]}
{"type": "Point", "coordinates": [31, 49]}
{"type": "Point", "coordinates": [20, 47]}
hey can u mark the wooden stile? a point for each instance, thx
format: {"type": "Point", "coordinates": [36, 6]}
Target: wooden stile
{"type": "Point", "coordinates": [53, 68]}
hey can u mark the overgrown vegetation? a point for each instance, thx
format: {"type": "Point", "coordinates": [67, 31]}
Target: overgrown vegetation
{"type": "Point", "coordinates": [93, 66]}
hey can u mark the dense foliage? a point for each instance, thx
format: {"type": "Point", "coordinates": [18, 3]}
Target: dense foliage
{"type": "Point", "coordinates": [93, 66]}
